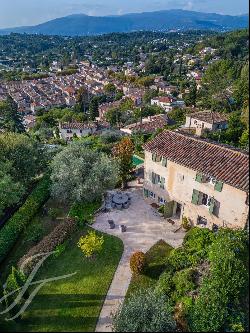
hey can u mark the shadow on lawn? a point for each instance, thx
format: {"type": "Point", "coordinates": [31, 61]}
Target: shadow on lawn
{"type": "Point", "coordinates": [59, 301]}
{"type": "Point", "coordinates": [59, 323]}
{"type": "Point", "coordinates": [154, 271]}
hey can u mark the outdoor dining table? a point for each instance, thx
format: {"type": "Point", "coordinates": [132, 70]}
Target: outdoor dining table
{"type": "Point", "coordinates": [120, 198]}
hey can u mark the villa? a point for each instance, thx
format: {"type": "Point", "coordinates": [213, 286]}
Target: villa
{"type": "Point", "coordinates": [206, 120]}
{"type": "Point", "coordinates": [167, 103]}
{"type": "Point", "coordinates": [203, 181]}
{"type": "Point", "coordinates": [148, 125]}
{"type": "Point", "coordinates": [69, 130]}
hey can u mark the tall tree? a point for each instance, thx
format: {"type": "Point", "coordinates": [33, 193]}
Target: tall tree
{"type": "Point", "coordinates": [110, 90]}
{"type": "Point", "coordinates": [83, 99]}
{"type": "Point", "coordinates": [10, 119]}
{"type": "Point", "coordinates": [93, 108]}
{"type": "Point", "coordinates": [123, 152]}
{"type": "Point", "coordinates": [10, 191]}
{"type": "Point", "coordinates": [80, 174]}
{"type": "Point", "coordinates": [26, 156]}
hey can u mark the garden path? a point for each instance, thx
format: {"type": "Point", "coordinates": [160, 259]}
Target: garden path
{"type": "Point", "coordinates": [144, 228]}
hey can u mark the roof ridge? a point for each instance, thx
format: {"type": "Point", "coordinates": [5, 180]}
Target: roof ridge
{"type": "Point", "coordinates": [205, 140]}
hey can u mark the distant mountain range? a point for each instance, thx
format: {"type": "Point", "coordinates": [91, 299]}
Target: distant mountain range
{"type": "Point", "coordinates": [166, 20]}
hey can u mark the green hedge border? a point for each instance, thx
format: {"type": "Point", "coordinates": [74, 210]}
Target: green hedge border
{"type": "Point", "coordinates": [14, 226]}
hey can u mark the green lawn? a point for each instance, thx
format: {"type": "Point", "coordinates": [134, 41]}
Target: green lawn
{"type": "Point", "coordinates": [156, 258]}
{"type": "Point", "coordinates": [72, 304]}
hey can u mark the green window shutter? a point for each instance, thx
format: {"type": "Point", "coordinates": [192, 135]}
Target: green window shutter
{"type": "Point", "coordinates": [195, 197]}
{"type": "Point", "coordinates": [145, 192]}
{"type": "Point", "coordinates": [154, 157]}
{"type": "Point", "coordinates": [162, 182]}
{"type": "Point", "coordinates": [212, 205]}
{"type": "Point", "coordinates": [199, 177]}
{"type": "Point", "coordinates": [218, 186]}
{"type": "Point", "coordinates": [164, 162]}
{"type": "Point", "coordinates": [153, 177]}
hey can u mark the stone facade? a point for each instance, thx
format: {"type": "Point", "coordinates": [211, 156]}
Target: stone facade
{"type": "Point", "coordinates": [187, 194]}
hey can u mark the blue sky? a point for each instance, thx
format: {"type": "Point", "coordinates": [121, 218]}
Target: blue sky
{"type": "Point", "coordinates": [30, 12]}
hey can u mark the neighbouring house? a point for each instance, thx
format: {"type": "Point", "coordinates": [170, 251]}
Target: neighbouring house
{"type": "Point", "coordinates": [147, 125]}
{"type": "Point", "coordinates": [167, 103]}
{"type": "Point", "coordinates": [206, 121]}
{"type": "Point", "coordinates": [29, 121]}
{"type": "Point", "coordinates": [105, 107]}
{"type": "Point", "coordinates": [69, 130]}
{"type": "Point", "coordinates": [206, 182]}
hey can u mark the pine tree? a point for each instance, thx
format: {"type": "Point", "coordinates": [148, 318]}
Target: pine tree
{"type": "Point", "coordinates": [10, 119]}
{"type": "Point", "coordinates": [93, 108]}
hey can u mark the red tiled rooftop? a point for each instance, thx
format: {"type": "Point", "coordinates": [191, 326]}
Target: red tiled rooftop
{"type": "Point", "coordinates": [219, 161]}
{"type": "Point", "coordinates": [156, 122]}
{"type": "Point", "coordinates": [209, 116]}
{"type": "Point", "coordinates": [79, 126]}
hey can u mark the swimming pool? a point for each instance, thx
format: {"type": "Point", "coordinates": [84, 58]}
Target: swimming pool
{"type": "Point", "coordinates": [137, 160]}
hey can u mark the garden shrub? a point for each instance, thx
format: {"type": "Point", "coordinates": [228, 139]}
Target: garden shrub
{"type": "Point", "coordinates": [186, 223]}
{"type": "Point", "coordinates": [180, 313]}
{"type": "Point", "coordinates": [59, 249]}
{"type": "Point", "coordinates": [15, 280]}
{"type": "Point", "coordinates": [137, 262]}
{"type": "Point", "coordinates": [91, 244]}
{"type": "Point", "coordinates": [196, 244]}
{"type": "Point", "coordinates": [198, 240]}
{"type": "Point", "coordinates": [34, 232]}
{"type": "Point", "coordinates": [53, 213]}
{"type": "Point", "coordinates": [15, 225]}
{"type": "Point", "coordinates": [111, 136]}
{"type": "Point", "coordinates": [225, 289]}
{"type": "Point", "coordinates": [84, 212]}
{"type": "Point", "coordinates": [165, 284]}
{"type": "Point", "coordinates": [184, 283]}
{"type": "Point", "coordinates": [161, 209]}
{"type": "Point", "coordinates": [145, 311]}
{"type": "Point", "coordinates": [48, 243]}
{"type": "Point", "coordinates": [178, 258]}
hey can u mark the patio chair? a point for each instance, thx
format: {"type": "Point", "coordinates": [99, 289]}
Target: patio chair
{"type": "Point", "coordinates": [108, 207]}
{"type": "Point", "coordinates": [111, 224]}
{"type": "Point", "coordinates": [126, 205]}
{"type": "Point", "coordinates": [122, 228]}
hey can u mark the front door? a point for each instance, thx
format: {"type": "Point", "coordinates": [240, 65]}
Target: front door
{"type": "Point", "coordinates": [178, 210]}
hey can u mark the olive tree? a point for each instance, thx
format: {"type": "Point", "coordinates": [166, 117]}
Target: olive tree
{"type": "Point", "coordinates": [145, 311]}
{"type": "Point", "coordinates": [81, 174]}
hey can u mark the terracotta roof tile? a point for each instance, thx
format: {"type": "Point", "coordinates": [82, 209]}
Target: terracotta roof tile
{"type": "Point", "coordinates": [77, 125]}
{"type": "Point", "coordinates": [219, 161]}
{"type": "Point", "coordinates": [150, 126]}
{"type": "Point", "coordinates": [209, 116]}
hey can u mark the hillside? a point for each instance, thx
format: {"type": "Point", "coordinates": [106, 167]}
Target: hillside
{"type": "Point", "coordinates": [80, 24]}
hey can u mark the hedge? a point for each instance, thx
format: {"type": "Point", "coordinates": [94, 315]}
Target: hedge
{"type": "Point", "coordinates": [49, 243]}
{"type": "Point", "coordinates": [14, 226]}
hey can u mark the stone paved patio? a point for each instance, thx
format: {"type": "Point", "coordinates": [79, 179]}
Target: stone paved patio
{"type": "Point", "coordinates": [144, 228]}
